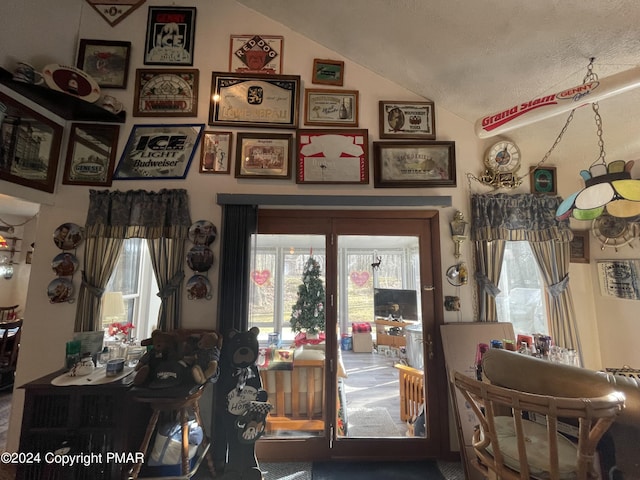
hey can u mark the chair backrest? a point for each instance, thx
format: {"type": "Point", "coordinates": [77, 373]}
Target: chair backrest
{"type": "Point", "coordinates": [8, 314]}
{"type": "Point", "coordinates": [9, 344]}
{"type": "Point", "coordinates": [505, 439]}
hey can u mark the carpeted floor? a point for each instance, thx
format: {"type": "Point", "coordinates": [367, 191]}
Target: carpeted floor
{"type": "Point", "coordinates": [421, 470]}
{"type": "Point", "coordinates": [427, 470]}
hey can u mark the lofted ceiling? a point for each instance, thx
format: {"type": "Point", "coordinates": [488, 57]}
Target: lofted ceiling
{"type": "Point", "coordinates": [474, 58]}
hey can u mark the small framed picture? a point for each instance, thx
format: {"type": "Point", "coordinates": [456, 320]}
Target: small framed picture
{"type": "Point", "coordinates": [543, 180]}
{"type": "Point", "coordinates": [166, 92]}
{"type": "Point", "coordinates": [170, 36]}
{"type": "Point", "coordinates": [400, 120]}
{"type": "Point", "coordinates": [414, 164]}
{"type": "Point", "coordinates": [579, 252]}
{"type": "Point", "coordinates": [332, 156]}
{"type": "Point", "coordinates": [158, 152]}
{"type": "Point", "coordinates": [256, 54]}
{"type": "Point", "coordinates": [106, 61]}
{"type": "Point", "coordinates": [331, 107]}
{"type": "Point", "coordinates": [328, 72]}
{"type": "Point", "coordinates": [264, 155]}
{"type": "Point", "coordinates": [215, 152]}
{"type": "Point", "coordinates": [91, 154]}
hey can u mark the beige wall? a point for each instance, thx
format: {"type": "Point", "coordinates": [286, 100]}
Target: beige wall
{"type": "Point", "coordinates": [35, 32]}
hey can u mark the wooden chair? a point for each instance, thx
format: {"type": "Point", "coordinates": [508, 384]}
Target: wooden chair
{"type": "Point", "coordinates": [411, 391]}
{"type": "Point", "coordinates": [518, 436]}
{"type": "Point", "coordinates": [8, 314]}
{"type": "Point", "coordinates": [9, 348]}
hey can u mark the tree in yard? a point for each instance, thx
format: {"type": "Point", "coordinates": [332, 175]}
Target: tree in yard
{"type": "Point", "coordinates": [307, 314]}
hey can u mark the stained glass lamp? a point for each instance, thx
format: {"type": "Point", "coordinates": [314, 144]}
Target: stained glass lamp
{"type": "Point", "coordinates": [608, 188]}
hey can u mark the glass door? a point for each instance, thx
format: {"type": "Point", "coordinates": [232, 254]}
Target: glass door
{"type": "Point", "coordinates": [346, 304]}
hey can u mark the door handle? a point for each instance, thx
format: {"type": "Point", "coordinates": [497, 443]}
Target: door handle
{"type": "Point", "coordinates": [429, 346]}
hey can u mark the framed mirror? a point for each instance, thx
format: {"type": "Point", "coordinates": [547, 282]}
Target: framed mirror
{"type": "Point", "coordinates": [91, 154]}
{"type": "Point", "coordinates": [29, 146]}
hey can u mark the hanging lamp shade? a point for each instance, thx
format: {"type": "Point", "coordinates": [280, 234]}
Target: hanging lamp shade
{"type": "Point", "coordinates": [607, 187]}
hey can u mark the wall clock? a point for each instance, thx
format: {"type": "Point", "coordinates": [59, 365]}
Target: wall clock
{"type": "Point", "coordinates": [502, 157]}
{"type": "Point", "coordinates": [612, 232]}
{"type": "Point", "coordinates": [502, 160]}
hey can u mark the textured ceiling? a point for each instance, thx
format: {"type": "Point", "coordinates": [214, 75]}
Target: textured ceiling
{"type": "Point", "coordinates": [474, 58]}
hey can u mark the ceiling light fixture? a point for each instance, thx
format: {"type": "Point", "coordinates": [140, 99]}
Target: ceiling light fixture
{"type": "Point", "coordinates": [609, 188]}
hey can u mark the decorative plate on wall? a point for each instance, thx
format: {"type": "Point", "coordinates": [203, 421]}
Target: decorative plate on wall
{"type": "Point", "coordinates": [71, 80]}
{"type": "Point", "coordinates": [200, 258]}
{"type": "Point", "coordinates": [198, 287]}
{"type": "Point", "coordinates": [65, 264]}
{"type": "Point", "coordinates": [60, 290]}
{"type": "Point", "coordinates": [202, 232]}
{"type": "Point", "coordinates": [68, 236]}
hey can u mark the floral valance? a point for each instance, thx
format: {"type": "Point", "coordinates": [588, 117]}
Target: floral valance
{"type": "Point", "coordinates": [138, 213]}
{"type": "Point", "coordinates": [526, 216]}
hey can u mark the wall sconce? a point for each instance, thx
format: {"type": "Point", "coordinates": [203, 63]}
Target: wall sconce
{"type": "Point", "coordinates": [458, 231]}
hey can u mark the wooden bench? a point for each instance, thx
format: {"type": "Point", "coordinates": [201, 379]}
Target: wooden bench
{"type": "Point", "coordinates": [411, 391]}
{"type": "Point", "coordinates": [297, 396]}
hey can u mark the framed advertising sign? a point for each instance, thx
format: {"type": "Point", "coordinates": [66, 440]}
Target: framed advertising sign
{"type": "Point", "coordinates": [114, 11]}
{"type": "Point", "coordinates": [401, 120]}
{"type": "Point", "coordinates": [264, 155]}
{"type": "Point", "coordinates": [166, 92]}
{"type": "Point", "coordinates": [254, 100]}
{"type": "Point", "coordinates": [414, 164]}
{"type": "Point", "coordinates": [332, 156]}
{"type": "Point", "coordinates": [170, 36]}
{"type": "Point", "coordinates": [158, 152]}
{"type": "Point", "coordinates": [256, 54]}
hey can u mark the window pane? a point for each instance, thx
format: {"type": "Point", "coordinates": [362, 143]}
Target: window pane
{"type": "Point", "coordinates": [522, 299]}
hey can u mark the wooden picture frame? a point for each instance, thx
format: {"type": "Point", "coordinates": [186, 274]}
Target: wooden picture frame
{"type": "Point", "coordinates": [579, 247]}
{"type": "Point", "coordinates": [91, 154]}
{"type": "Point", "coordinates": [330, 108]}
{"type": "Point", "coordinates": [543, 180]}
{"type": "Point", "coordinates": [256, 54]}
{"type": "Point", "coordinates": [414, 164]}
{"type": "Point", "coordinates": [31, 146]}
{"type": "Point", "coordinates": [254, 100]}
{"type": "Point", "coordinates": [407, 120]}
{"type": "Point", "coordinates": [332, 156]}
{"type": "Point", "coordinates": [215, 152]}
{"type": "Point", "coordinates": [158, 152]}
{"type": "Point", "coordinates": [264, 155]}
{"type": "Point", "coordinates": [106, 61]}
{"type": "Point", "coordinates": [166, 92]}
{"type": "Point", "coordinates": [328, 72]}
{"type": "Point", "coordinates": [170, 36]}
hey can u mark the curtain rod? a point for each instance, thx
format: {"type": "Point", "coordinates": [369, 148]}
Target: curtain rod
{"type": "Point", "coordinates": [335, 200]}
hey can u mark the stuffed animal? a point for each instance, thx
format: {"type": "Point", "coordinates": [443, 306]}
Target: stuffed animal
{"type": "Point", "coordinates": [164, 347]}
{"type": "Point", "coordinates": [239, 407]}
{"type": "Point", "coordinates": [206, 358]}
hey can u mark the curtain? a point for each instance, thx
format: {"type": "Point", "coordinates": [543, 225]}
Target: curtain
{"type": "Point", "coordinates": [162, 217]}
{"type": "Point", "coordinates": [238, 224]}
{"type": "Point", "coordinates": [529, 217]}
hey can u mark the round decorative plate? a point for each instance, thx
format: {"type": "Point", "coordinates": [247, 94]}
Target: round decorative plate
{"type": "Point", "coordinates": [60, 290]}
{"type": "Point", "coordinates": [198, 287]}
{"type": "Point", "coordinates": [200, 258]}
{"type": "Point", "coordinates": [65, 264]}
{"type": "Point", "coordinates": [202, 232]}
{"type": "Point", "coordinates": [457, 275]}
{"type": "Point", "coordinates": [71, 80]}
{"type": "Point", "coordinates": [68, 236]}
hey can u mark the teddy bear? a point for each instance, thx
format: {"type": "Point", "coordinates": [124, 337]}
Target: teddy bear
{"type": "Point", "coordinates": [206, 357]}
{"type": "Point", "coordinates": [165, 346]}
{"type": "Point", "coordinates": [241, 407]}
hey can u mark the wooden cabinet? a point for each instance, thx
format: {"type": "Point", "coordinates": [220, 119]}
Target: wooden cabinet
{"type": "Point", "coordinates": [90, 419]}
{"type": "Point", "coordinates": [383, 336]}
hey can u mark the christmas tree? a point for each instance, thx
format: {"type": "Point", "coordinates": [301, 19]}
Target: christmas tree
{"type": "Point", "coordinates": [307, 314]}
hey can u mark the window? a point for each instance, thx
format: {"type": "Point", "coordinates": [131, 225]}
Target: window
{"type": "Point", "coordinates": [134, 278]}
{"type": "Point", "coordinates": [522, 299]}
